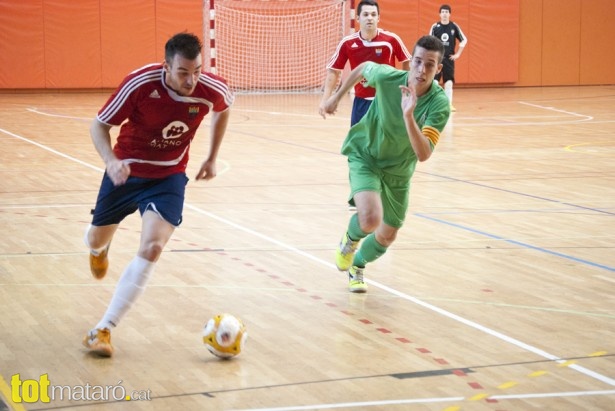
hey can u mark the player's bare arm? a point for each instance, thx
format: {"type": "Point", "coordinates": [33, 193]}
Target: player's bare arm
{"type": "Point", "coordinates": [354, 77]}
{"type": "Point", "coordinates": [458, 54]}
{"type": "Point", "coordinates": [331, 81]}
{"type": "Point", "coordinates": [117, 170]}
{"type": "Point", "coordinates": [219, 123]}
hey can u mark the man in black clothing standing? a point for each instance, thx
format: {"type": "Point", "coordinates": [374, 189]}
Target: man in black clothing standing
{"type": "Point", "coordinates": [448, 32]}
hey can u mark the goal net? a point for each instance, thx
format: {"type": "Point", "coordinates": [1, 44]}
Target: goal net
{"type": "Point", "coordinates": [273, 46]}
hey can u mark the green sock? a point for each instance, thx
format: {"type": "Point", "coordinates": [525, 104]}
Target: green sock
{"type": "Point", "coordinates": [370, 251]}
{"type": "Point", "coordinates": [354, 229]}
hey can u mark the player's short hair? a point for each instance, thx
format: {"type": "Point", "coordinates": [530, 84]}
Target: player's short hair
{"type": "Point", "coordinates": [367, 3]}
{"type": "Point", "coordinates": [186, 44]}
{"type": "Point", "coordinates": [431, 43]}
{"type": "Point", "coordinates": [445, 7]}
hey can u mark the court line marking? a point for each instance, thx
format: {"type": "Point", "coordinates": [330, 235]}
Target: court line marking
{"type": "Point", "coordinates": [572, 148]}
{"type": "Point", "coordinates": [494, 121]}
{"type": "Point", "coordinates": [491, 121]}
{"type": "Point", "coordinates": [580, 118]}
{"type": "Point", "coordinates": [504, 190]}
{"type": "Point", "coordinates": [56, 152]}
{"type": "Point", "coordinates": [38, 206]}
{"type": "Point", "coordinates": [431, 400]}
{"type": "Point", "coordinates": [472, 324]}
{"type": "Point", "coordinates": [43, 113]}
{"type": "Point", "coordinates": [226, 165]}
{"type": "Point", "coordinates": [510, 122]}
{"type": "Point", "coordinates": [517, 243]}
{"type": "Point", "coordinates": [583, 117]}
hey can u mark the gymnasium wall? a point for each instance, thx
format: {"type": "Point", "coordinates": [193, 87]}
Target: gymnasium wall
{"type": "Point", "coordinates": [57, 44]}
{"type": "Point", "coordinates": [519, 42]}
{"type": "Point", "coordinates": [93, 44]}
{"type": "Point", "coordinates": [492, 29]}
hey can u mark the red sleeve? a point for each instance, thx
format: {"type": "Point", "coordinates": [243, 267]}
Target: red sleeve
{"type": "Point", "coordinates": [339, 58]}
{"type": "Point", "coordinates": [116, 109]}
{"type": "Point", "coordinates": [123, 101]}
{"type": "Point", "coordinates": [401, 53]}
{"type": "Point", "coordinates": [223, 96]}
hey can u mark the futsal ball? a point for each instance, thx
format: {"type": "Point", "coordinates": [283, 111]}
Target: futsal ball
{"type": "Point", "coordinates": [224, 335]}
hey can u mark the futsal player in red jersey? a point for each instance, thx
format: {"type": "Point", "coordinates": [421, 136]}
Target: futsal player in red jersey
{"type": "Point", "coordinates": [368, 44]}
{"type": "Point", "coordinates": [159, 108]}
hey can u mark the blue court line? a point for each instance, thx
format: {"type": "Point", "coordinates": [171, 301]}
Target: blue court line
{"type": "Point", "coordinates": [597, 210]}
{"type": "Point", "coordinates": [518, 243]}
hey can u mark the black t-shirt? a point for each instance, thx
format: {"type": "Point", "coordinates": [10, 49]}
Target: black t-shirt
{"type": "Point", "coordinates": [448, 34]}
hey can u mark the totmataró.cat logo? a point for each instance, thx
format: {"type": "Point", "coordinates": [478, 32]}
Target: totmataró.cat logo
{"type": "Point", "coordinates": [174, 130]}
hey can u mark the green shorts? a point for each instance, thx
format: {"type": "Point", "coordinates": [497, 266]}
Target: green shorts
{"type": "Point", "coordinates": [394, 190]}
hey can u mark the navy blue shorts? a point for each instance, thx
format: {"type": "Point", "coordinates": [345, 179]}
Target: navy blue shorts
{"type": "Point", "coordinates": [359, 108]}
{"type": "Point", "coordinates": [448, 71]}
{"type": "Point", "coordinates": [165, 196]}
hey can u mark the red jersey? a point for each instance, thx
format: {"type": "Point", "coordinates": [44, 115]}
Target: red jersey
{"type": "Point", "coordinates": [382, 49]}
{"type": "Point", "coordinates": [161, 124]}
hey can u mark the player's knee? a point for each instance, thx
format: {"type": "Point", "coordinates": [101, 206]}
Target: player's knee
{"type": "Point", "coordinates": [370, 221]}
{"type": "Point", "coordinates": [151, 251]}
{"type": "Point", "coordinates": [96, 237]}
{"type": "Point", "coordinates": [386, 237]}
{"type": "Point", "coordinates": [386, 234]}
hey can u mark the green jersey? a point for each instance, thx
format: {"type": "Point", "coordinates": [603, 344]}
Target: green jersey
{"type": "Point", "coordinates": [381, 138]}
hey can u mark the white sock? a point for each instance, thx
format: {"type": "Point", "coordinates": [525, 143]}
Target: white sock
{"type": "Point", "coordinates": [130, 286]}
{"type": "Point", "coordinates": [94, 251]}
{"type": "Point", "coordinates": [448, 90]}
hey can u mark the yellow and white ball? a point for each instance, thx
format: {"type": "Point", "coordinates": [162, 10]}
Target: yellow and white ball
{"type": "Point", "coordinates": [224, 335]}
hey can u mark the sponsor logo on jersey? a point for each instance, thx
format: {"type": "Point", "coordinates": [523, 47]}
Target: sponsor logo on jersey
{"type": "Point", "coordinates": [154, 94]}
{"type": "Point", "coordinates": [354, 46]}
{"type": "Point", "coordinates": [174, 130]}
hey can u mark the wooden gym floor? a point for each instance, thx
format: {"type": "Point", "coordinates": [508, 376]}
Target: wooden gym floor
{"type": "Point", "coordinates": [499, 294]}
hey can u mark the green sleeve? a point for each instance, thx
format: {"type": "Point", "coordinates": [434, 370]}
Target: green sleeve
{"type": "Point", "coordinates": [439, 113]}
{"type": "Point", "coordinates": [374, 73]}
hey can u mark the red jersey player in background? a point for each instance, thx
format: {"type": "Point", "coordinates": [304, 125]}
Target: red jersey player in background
{"type": "Point", "coordinates": [159, 108]}
{"type": "Point", "coordinates": [368, 44]}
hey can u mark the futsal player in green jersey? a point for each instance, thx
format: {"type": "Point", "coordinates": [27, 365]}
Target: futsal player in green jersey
{"type": "Point", "coordinates": [401, 127]}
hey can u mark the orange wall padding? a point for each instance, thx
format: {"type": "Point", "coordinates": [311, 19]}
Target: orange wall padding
{"type": "Point", "coordinates": [72, 44]}
{"type": "Point", "coordinates": [492, 29]}
{"type": "Point", "coordinates": [530, 43]}
{"type": "Point", "coordinates": [561, 34]}
{"type": "Point", "coordinates": [89, 44]}
{"type": "Point", "coordinates": [493, 45]}
{"type": "Point", "coordinates": [135, 33]}
{"type": "Point", "coordinates": [59, 44]}
{"type": "Point", "coordinates": [22, 45]}
{"type": "Point", "coordinates": [173, 16]}
{"type": "Point", "coordinates": [596, 59]}
{"type": "Point", "coordinates": [124, 52]}
{"type": "Point", "coordinates": [566, 42]}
